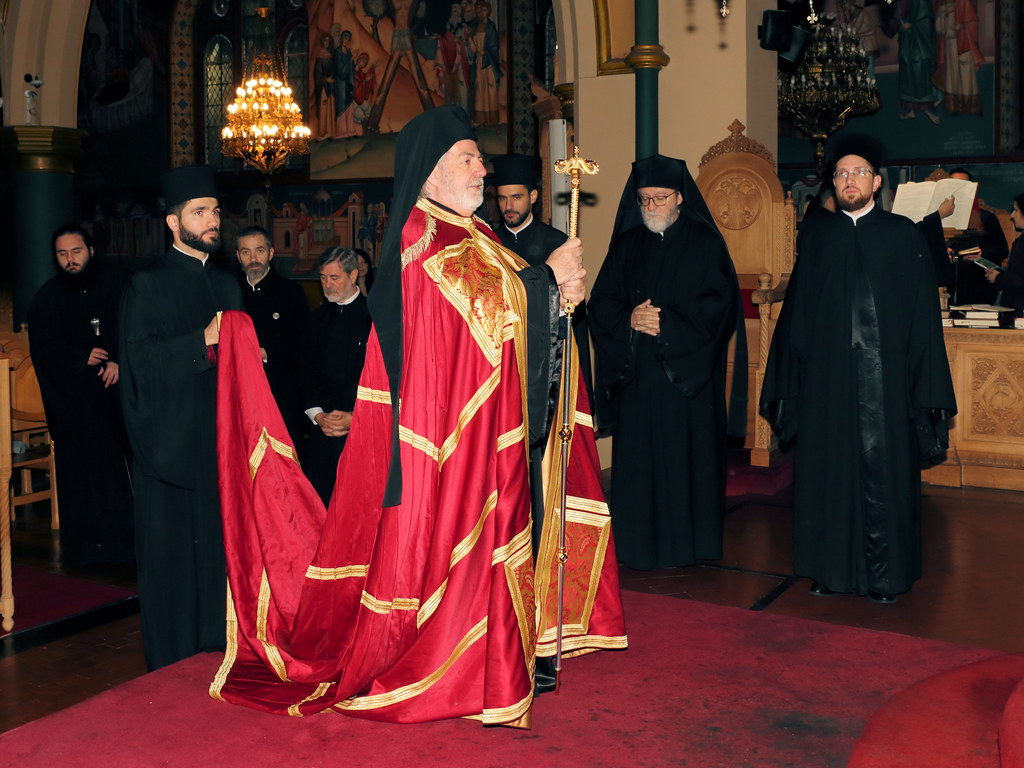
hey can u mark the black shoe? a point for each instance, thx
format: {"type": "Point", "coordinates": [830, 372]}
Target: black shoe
{"type": "Point", "coordinates": [819, 590]}
{"type": "Point", "coordinates": [882, 598]}
{"type": "Point", "coordinates": [544, 679]}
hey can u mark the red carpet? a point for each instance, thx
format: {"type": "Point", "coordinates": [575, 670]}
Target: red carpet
{"type": "Point", "coordinates": [700, 686]}
{"type": "Point", "coordinates": [741, 479]}
{"type": "Point", "coordinates": [41, 597]}
{"type": "Point", "coordinates": [950, 720]}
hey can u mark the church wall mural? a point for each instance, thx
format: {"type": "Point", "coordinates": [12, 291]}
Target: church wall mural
{"type": "Point", "coordinates": [376, 64]}
{"type": "Point", "coordinates": [372, 64]}
{"type": "Point", "coordinates": [951, 49]}
{"type": "Point", "coordinates": [371, 68]}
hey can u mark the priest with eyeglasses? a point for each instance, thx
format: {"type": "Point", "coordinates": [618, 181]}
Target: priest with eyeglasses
{"type": "Point", "coordinates": [858, 380]}
{"type": "Point", "coordinates": [664, 307]}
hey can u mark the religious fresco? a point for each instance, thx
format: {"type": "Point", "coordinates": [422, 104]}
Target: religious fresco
{"type": "Point", "coordinates": [948, 68]}
{"type": "Point", "coordinates": [376, 64]}
{"type": "Point", "coordinates": [305, 220]}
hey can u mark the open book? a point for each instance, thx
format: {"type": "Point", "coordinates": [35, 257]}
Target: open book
{"type": "Point", "coordinates": [974, 256]}
{"type": "Point", "coordinates": [915, 200]}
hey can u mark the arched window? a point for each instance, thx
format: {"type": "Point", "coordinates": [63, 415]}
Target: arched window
{"type": "Point", "coordinates": [230, 33]}
{"type": "Point", "coordinates": [218, 92]}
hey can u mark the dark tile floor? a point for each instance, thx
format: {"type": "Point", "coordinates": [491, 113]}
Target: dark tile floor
{"type": "Point", "coordinates": [971, 593]}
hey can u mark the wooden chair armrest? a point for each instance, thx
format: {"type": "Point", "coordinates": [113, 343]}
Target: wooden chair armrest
{"type": "Point", "coordinates": [766, 295]}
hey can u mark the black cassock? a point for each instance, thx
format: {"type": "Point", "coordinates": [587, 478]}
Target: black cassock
{"type": "Point", "coordinates": [663, 397]}
{"type": "Point", "coordinates": [534, 244]}
{"type": "Point", "coordinates": [332, 361]}
{"type": "Point", "coordinates": [280, 314]}
{"type": "Point", "coordinates": [84, 417]}
{"type": "Point", "coordinates": [858, 376]}
{"type": "Point", "coordinates": [169, 397]}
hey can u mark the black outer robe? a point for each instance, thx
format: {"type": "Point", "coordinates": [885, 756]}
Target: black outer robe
{"type": "Point", "coordinates": [858, 375]}
{"type": "Point", "coordinates": [93, 489]}
{"type": "Point", "coordinates": [332, 361]}
{"type": "Point", "coordinates": [534, 244]}
{"type": "Point", "coordinates": [280, 314]}
{"type": "Point", "coordinates": [168, 391]}
{"type": "Point", "coordinates": [664, 397]}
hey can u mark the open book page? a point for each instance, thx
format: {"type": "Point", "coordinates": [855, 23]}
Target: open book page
{"type": "Point", "coordinates": [917, 200]}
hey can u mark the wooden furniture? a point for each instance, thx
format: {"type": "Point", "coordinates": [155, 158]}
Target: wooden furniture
{"type": "Point", "coordinates": [28, 427]}
{"type": "Point", "coordinates": [6, 578]}
{"type": "Point", "coordinates": [987, 435]}
{"type": "Point", "coordinates": [758, 221]}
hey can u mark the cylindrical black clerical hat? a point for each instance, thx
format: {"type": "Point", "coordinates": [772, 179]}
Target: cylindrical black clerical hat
{"type": "Point", "coordinates": [861, 145]}
{"type": "Point", "coordinates": [515, 169]}
{"type": "Point", "coordinates": [188, 183]}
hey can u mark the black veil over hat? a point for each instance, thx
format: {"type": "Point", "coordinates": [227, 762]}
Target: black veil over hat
{"type": "Point", "coordinates": [672, 173]}
{"type": "Point", "coordinates": [422, 142]}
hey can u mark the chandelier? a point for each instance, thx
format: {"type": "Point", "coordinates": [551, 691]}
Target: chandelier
{"type": "Point", "coordinates": [264, 124]}
{"type": "Point", "coordinates": [830, 84]}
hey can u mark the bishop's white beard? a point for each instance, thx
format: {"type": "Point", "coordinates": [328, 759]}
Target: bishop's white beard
{"type": "Point", "coordinates": [658, 222]}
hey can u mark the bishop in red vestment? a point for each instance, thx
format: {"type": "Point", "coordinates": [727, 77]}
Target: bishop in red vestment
{"type": "Point", "coordinates": [416, 595]}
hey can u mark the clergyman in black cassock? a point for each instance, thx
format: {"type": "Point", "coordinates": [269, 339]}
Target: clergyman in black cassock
{"type": "Point", "coordinates": [515, 181]}
{"type": "Point", "coordinates": [858, 376]}
{"type": "Point", "coordinates": [662, 396]}
{"type": "Point", "coordinates": [280, 315]}
{"type": "Point", "coordinates": [168, 390]}
{"type": "Point", "coordinates": [335, 349]}
{"type": "Point", "coordinates": [73, 328]}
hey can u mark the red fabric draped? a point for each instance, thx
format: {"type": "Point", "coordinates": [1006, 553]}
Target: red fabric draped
{"type": "Point", "coordinates": [426, 610]}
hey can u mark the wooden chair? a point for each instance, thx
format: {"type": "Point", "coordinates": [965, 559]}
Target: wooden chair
{"type": "Point", "coordinates": [28, 426]}
{"type": "Point", "coordinates": [6, 579]}
{"type": "Point", "coordinates": [737, 178]}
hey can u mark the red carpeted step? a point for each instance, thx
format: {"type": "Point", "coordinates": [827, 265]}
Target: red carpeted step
{"type": "Point", "coordinates": [1011, 730]}
{"type": "Point", "coordinates": [950, 720]}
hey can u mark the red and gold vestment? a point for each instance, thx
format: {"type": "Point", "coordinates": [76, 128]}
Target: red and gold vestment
{"type": "Point", "coordinates": [433, 608]}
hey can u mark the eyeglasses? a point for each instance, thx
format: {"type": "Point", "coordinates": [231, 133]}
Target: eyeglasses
{"type": "Point", "coordinates": [644, 200]}
{"type": "Point", "coordinates": [860, 173]}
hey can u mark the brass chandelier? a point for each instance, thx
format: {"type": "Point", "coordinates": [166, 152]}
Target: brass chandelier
{"type": "Point", "coordinates": [264, 123]}
{"type": "Point", "coordinates": [831, 83]}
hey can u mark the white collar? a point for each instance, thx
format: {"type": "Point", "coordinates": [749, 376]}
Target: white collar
{"type": "Point", "coordinates": [862, 213]}
{"type": "Point", "coordinates": [521, 227]}
{"type": "Point", "coordinates": [349, 300]}
{"type": "Point", "coordinates": [201, 261]}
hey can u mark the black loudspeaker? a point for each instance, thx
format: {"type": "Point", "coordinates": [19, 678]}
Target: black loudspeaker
{"type": "Point", "coordinates": [776, 30]}
{"type": "Point", "coordinates": [800, 38]}
{"type": "Point", "coordinates": [779, 32]}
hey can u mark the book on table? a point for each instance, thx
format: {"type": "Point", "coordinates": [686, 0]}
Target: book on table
{"type": "Point", "coordinates": [915, 200]}
{"type": "Point", "coordinates": [977, 315]}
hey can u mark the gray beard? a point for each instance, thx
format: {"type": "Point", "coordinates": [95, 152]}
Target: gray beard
{"type": "Point", "coordinates": [658, 224]}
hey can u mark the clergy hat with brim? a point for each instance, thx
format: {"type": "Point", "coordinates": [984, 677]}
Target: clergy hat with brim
{"type": "Point", "coordinates": [515, 169]}
{"type": "Point", "coordinates": [867, 147]}
{"type": "Point", "coordinates": [658, 171]}
{"type": "Point", "coordinates": [188, 183]}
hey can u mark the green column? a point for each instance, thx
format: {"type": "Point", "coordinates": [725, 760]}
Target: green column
{"type": "Point", "coordinates": [42, 161]}
{"type": "Point", "coordinates": [646, 58]}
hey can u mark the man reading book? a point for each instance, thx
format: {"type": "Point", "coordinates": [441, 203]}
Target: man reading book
{"type": "Point", "coordinates": [1010, 281]}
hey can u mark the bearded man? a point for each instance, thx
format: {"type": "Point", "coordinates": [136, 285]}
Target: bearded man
{"type": "Point", "coordinates": [858, 376]}
{"type": "Point", "coordinates": [418, 596]}
{"type": "Point", "coordinates": [169, 334]}
{"type": "Point", "coordinates": [280, 313]}
{"type": "Point", "coordinates": [664, 306]}
{"type": "Point", "coordinates": [72, 326]}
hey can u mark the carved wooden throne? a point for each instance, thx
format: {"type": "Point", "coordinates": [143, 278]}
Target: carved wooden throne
{"type": "Point", "coordinates": [737, 178]}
